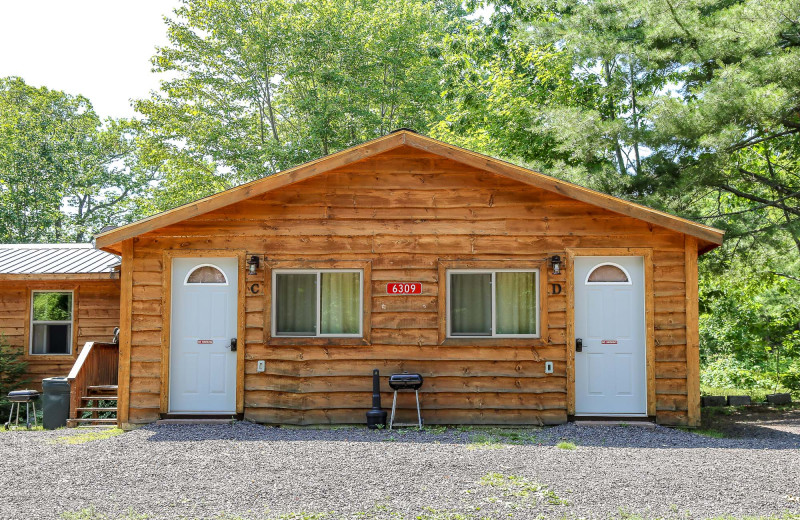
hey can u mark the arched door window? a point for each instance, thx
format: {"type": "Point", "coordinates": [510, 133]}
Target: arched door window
{"type": "Point", "coordinates": [608, 274]}
{"type": "Point", "coordinates": [206, 274]}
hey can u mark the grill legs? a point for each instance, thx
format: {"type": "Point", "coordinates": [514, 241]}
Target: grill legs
{"type": "Point", "coordinates": [394, 406]}
{"type": "Point", "coordinates": [419, 414]}
{"type": "Point", "coordinates": [28, 405]}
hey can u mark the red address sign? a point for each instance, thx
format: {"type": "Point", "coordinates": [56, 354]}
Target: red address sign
{"type": "Point", "coordinates": [404, 288]}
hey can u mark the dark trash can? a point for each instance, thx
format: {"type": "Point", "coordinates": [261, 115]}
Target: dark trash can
{"type": "Point", "coordinates": [55, 402]}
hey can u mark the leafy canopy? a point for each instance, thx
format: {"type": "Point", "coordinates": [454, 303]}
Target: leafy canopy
{"type": "Point", "coordinates": [261, 85]}
{"type": "Point", "coordinates": [63, 172]}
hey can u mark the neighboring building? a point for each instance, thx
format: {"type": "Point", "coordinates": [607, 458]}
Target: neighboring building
{"type": "Point", "coordinates": [275, 300]}
{"type": "Point", "coordinates": [53, 299]}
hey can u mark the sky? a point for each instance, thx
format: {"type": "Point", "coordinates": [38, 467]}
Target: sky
{"type": "Point", "coordinates": [98, 48]}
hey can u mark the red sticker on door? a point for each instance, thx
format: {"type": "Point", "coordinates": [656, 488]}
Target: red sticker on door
{"type": "Point", "coordinates": [609, 342]}
{"type": "Point", "coordinates": [205, 341]}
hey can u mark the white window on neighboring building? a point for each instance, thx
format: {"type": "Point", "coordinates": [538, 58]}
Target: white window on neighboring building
{"type": "Point", "coordinates": [51, 322]}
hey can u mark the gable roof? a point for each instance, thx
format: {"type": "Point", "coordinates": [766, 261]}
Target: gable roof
{"type": "Point", "coordinates": [54, 261]}
{"type": "Point", "coordinates": [709, 237]}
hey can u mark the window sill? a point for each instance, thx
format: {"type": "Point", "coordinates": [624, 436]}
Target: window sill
{"type": "Point", "coordinates": [50, 356]}
{"type": "Point", "coordinates": [494, 342]}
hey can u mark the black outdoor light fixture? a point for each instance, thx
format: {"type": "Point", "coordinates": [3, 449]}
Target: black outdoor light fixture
{"type": "Point", "coordinates": [555, 261]}
{"type": "Point", "coordinates": [253, 264]}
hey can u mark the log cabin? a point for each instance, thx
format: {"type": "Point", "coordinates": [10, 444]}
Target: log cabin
{"type": "Point", "coordinates": [54, 298]}
{"type": "Point", "coordinates": [520, 298]}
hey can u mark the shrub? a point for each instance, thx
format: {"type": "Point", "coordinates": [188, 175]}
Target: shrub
{"type": "Point", "coordinates": [12, 373]}
{"type": "Point", "coordinates": [791, 378]}
{"type": "Point", "coordinates": [729, 372]}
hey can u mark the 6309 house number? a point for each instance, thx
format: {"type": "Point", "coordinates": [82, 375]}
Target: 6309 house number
{"type": "Point", "coordinates": [404, 288]}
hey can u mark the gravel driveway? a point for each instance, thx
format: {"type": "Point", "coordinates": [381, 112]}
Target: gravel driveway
{"type": "Point", "coordinates": [248, 471]}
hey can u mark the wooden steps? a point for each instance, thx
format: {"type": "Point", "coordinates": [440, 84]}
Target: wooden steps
{"type": "Point", "coordinates": [94, 404]}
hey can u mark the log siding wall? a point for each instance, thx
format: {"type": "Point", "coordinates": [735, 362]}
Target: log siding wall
{"type": "Point", "coordinates": [95, 315]}
{"type": "Point", "coordinates": [404, 213]}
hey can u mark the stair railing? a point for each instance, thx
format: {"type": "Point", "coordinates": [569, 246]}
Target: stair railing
{"type": "Point", "coordinates": [97, 364]}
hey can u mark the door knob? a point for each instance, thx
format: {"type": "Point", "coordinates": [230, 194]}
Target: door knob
{"type": "Point", "coordinates": [578, 345]}
{"type": "Point", "coordinates": [233, 344]}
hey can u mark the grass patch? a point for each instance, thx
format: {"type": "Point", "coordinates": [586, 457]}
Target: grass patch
{"type": "Point", "coordinates": [624, 515]}
{"type": "Point", "coordinates": [430, 513]}
{"type": "Point", "coordinates": [757, 394]}
{"type": "Point", "coordinates": [719, 410]}
{"type": "Point", "coordinates": [90, 513]}
{"type": "Point", "coordinates": [516, 436]}
{"type": "Point", "coordinates": [21, 428]}
{"type": "Point", "coordinates": [497, 438]}
{"type": "Point", "coordinates": [566, 445]}
{"type": "Point", "coordinates": [705, 432]}
{"type": "Point", "coordinates": [513, 486]}
{"type": "Point", "coordinates": [303, 516]}
{"type": "Point", "coordinates": [90, 436]}
{"type": "Point", "coordinates": [483, 441]}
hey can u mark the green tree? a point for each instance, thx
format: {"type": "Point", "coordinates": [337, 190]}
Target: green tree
{"type": "Point", "coordinates": [563, 87]}
{"type": "Point", "coordinates": [63, 172]}
{"type": "Point", "coordinates": [693, 107]}
{"type": "Point", "coordinates": [12, 374]}
{"type": "Point", "coordinates": [497, 83]}
{"type": "Point", "coordinates": [257, 86]}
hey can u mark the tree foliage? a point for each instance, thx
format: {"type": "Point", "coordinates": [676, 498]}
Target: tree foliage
{"type": "Point", "coordinates": [261, 85]}
{"type": "Point", "coordinates": [12, 373]}
{"type": "Point", "coordinates": [63, 172]}
{"type": "Point", "coordinates": [693, 107]}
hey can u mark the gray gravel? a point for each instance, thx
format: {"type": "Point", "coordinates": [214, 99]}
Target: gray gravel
{"type": "Point", "coordinates": [251, 471]}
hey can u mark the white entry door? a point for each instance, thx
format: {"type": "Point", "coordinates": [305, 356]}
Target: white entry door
{"type": "Point", "coordinates": [611, 369]}
{"type": "Point", "coordinates": [202, 365]}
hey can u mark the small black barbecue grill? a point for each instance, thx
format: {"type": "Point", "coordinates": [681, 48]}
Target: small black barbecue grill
{"type": "Point", "coordinates": [16, 398]}
{"type": "Point", "coordinates": [405, 381]}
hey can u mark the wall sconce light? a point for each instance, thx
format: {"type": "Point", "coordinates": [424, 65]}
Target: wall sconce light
{"type": "Point", "coordinates": [555, 261]}
{"type": "Point", "coordinates": [253, 264]}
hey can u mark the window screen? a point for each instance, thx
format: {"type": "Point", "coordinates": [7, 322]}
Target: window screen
{"type": "Point", "coordinates": [318, 303]}
{"type": "Point", "coordinates": [51, 323]}
{"type": "Point", "coordinates": [493, 303]}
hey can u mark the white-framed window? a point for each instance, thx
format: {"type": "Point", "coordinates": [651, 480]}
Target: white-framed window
{"type": "Point", "coordinates": [498, 303]}
{"type": "Point", "coordinates": [51, 322]}
{"type": "Point", "coordinates": [317, 302]}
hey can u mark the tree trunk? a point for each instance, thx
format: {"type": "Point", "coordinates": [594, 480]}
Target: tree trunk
{"type": "Point", "coordinates": [635, 120]}
{"type": "Point", "coordinates": [612, 116]}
